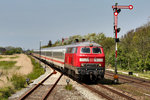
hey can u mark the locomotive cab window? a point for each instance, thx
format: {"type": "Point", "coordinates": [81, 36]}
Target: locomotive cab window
{"type": "Point", "coordinates": [85, 50]}
{"type": "Point", "coordinates": [96, 50]}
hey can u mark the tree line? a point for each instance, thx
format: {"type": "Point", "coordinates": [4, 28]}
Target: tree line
{"type": "Point", "coordinates": [10, 50]}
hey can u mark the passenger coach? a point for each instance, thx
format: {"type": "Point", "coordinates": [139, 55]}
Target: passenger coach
{"type": "Point", "coordinates": [84, 59]}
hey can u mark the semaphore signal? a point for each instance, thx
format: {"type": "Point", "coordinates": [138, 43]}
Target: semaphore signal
{"type": "Point", "coordinates": [123, 7]}
{"type": "Point", "coordinates": [130, 7]}
{"type": "Point", "coordinates": [117, 10]}
{"type": "Point", "coordinates": [115, 13]}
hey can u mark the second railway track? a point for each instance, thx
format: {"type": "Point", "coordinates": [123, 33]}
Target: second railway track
{"type": "Point", "coordinates": [130, 79]}
{"type": "Point", "coordinates": [106, 96]}
{"type": "Point", "coordinates": [38, 88]}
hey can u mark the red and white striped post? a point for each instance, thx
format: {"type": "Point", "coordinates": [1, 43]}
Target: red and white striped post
{"type": "Point", "coordinates": [116, 10]}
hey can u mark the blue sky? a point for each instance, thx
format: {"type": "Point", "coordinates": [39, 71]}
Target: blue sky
{"type": "Point", "coordinates": [23, 23]}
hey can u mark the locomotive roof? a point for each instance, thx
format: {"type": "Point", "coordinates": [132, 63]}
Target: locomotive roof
{"type": "Point", "coordinates": [71, 45]}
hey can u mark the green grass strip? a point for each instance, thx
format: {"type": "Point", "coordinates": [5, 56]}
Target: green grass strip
{"type": "Point", "coordinates": [18, 81]}
{"type": "Point", "coordinates": [37, 70]}
{"type": "Point", "coordinates": [14, 57]}
{"type": "Point", "coordinates": [7, 64]}
{"type": "Point", "coordinates": [1, 57]}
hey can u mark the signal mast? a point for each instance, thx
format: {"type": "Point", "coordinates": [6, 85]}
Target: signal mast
{"type": "Point", "coordinates": [117, 10]}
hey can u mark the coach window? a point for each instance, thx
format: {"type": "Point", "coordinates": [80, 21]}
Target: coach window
{"type": "Point", "coordinates": [42, 53]}
{"type": "Point", "coordinates": [69, 50]}
{"type": "Point", "coordinates": [49, 53]}
{"type": "Point", "coordinates": [85, 50]}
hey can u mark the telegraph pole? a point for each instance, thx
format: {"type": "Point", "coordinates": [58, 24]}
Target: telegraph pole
{"type": "Point", "coordinates": [117, 10]}
{"type": "Point", "coordinates": [40, 54]}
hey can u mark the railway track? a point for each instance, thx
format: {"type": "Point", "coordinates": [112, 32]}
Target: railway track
{"type": "Point", "coordinates": [116, 92]}
{"type": "Point", "coordinates": [104, 95]}
{"type": "Point", "coordinates": [101, 93]}
{"type": "Point", "coordinates": [39, 86]}
{"type": "Point", "coordinates": [49, 92]}
{"type": "Point", "coordinates": [130, 79]}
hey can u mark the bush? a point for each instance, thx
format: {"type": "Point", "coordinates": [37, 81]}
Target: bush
{"type": "Point", "coordinates": [12, 51]}
{"type": "Point", "coordinates": [6, 92]}
{"type": "Point", "coordinates": [18, 81]}
{"type": "Point", "coordinates": [68, 87]}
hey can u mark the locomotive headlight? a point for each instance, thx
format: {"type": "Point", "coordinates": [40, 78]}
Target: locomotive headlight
{"type": "Point", "coordinates": [82, 64]}
{"type": "Point", "coordinates": [84, 59]}
{"type": "Point", "coordinates": [98, 59]}
{"type": "Point", "coordinates": [100, 65]}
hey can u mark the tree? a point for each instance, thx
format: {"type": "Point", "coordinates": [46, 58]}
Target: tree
{"type": "Point", "coordinates": [49, 43]}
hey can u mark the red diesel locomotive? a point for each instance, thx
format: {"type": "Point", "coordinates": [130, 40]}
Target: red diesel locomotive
{"type": "Point", "coordinates": [84, 59]}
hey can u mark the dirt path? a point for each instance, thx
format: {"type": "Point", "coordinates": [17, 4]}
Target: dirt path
{"type": "Point", "coordinates": [25, 63]}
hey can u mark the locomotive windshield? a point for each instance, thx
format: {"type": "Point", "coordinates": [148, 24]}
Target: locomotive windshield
{"type": "Point", "coordinates": [96, 50]}
{"type": "Point", "coordinates": [85, 50]}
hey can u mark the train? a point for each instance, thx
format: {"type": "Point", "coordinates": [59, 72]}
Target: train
{"type": "Point", "coordinates": [80, 60]}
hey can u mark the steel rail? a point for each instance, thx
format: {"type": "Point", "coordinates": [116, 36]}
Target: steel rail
{"type": "Point", "coordinates": [96, 91]}
{"type": "Point", "coordinates": [49, 92]}
{"type": "Point", "coordinates": [116, 92]}
{"type": "Point", "coordinates": [92, 89]}
{"type": "Point", "coordinates": [135, 78]}
{"type": "Point", "coordinates": [130, 79]}
{"type": "Point", "coordinates": [35, 87]}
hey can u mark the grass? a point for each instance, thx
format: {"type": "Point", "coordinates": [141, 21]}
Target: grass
{"type": "Point", "coordinates": [14, 57]}
{"type": "Point", "coordinates": [69, 87]}
{"type": "Point", "coordinates": [1, 80]}
{"type": "Point", "coordinates": [140, 74]}
{"type": "Point", "coordinates": [18, 81]}
{"type": "Point", "coordinates": [5, 92]}
{"type": "Point", "coordinates": [1, 57]}
{"type": "Point", "coordinates": [7, 64]}
{"type": "Point", "coordinates": [138, 92]}
{"type": "Point", "coordinates": [128, 89]}
{"type": "Point", "coordinates": [18, 67]}
{"type": "Point", "coordinates": [37, 70]}
{"type": "Point", "coordinates": [145, 74]}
